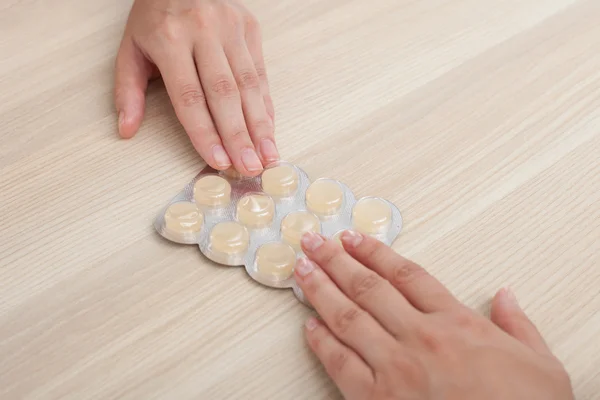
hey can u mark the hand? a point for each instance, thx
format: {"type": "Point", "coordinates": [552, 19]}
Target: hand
{"type": "Point", "coordinates": [391, 331]}
{"type": "Point", "coordinates": [209, 54]}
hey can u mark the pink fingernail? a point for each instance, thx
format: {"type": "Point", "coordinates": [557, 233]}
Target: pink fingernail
{"type": "Point", "coordinates": [269, 150]}
{"type": "Point", "coordinates": [311, 241]}
{"type": "Point", "coordinates": [311, 324]}
{"type": "Point", "coordinates": [508, 298]}
{"type": "Point", "coordinates": [251, 160]}
{"type": "Point", "coordinates": [304, 267]}
{"type": "Point", "coordinates": [220, 156]}
{"type": "Point", "coordinates": [121, 117]}
{"type": "Point", "coordinates": [351, 238]}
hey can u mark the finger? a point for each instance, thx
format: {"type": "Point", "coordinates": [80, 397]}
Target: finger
{"type": "Point", "coordinates": [508, 316]}
{"type": "Point", "coordinates": [347, 370]}
{"type": "Point", "coordinates": [254, 41]}
{"type": "Point", "coordinates": [183, 86]}
{"type": "Point", "coordinates": [366, 288]}
{"type": "Point", "coordinates": [225, 106]}
{"type": "Point", "coordinates": [422, 290]}
{"type": "Point", "coordinates": [258, 121]}
{"type": "Point", "coordinates": [348, 322]}
{"type": "Point", "coordinates": [132, 72]}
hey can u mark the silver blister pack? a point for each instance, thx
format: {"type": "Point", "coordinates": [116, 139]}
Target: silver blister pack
{"type": "Point", "coordinates": [258, 222]}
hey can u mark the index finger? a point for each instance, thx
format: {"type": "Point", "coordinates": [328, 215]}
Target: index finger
{"type": "Point", "coordinates": [225, 105]}
{"type": "Point", "coordinates": [183, 86]}
{"type": "Point", "coordinates": [349, 323]}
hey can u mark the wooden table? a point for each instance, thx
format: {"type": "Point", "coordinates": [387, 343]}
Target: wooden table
{"type": "Point", "coordinates": [479, 119]}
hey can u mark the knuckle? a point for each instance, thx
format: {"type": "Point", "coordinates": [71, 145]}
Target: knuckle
{"type": "Point", "coordinates": [364, 283]}
{"type": "Point", "coordinates": [329, 255]}
{"type": "Point", "coordinates": [262, 125]}
{"type": "Point", "coordinates": [201, 18]}
{"type": "Point", "coordinates": [406, 272]}
{"type": "Point", "coordinates": [408, 369]}
{"type": "Point", "coordinates": [345, 318]}
{"type": "Point", "coordinates": [467, 320]}
{"type": "Point", "coordinates": [168, 30]}
{"type": "Point", "coordinates": [191, 95]}
{"type": "Point", "coordinates": [251, 23]}
{"type": "Point", "coordinates": [247, 80]}
{"type": "Point", "coordinates": [224, 87]}
{"type": "Point", "coordinates": [236, 137]}
{"type": "Point", "coordinates": [430, 339]}
{"type": "Point", "coordinates": [261, 71]}
{"type": "Point", "coordinates": [232, 15]}
{"type": "Point", "coordinates": [337, 363]}
{"type": "Point", "coordinates": [371, 249]}
{"type": "Point", "coordinates": [464, 319]}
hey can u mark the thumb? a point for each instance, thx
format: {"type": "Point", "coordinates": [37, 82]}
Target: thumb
{"type": "Point", "coordinates": [132, 72]}
{"type": "Point", "coordinates": [508, 316]}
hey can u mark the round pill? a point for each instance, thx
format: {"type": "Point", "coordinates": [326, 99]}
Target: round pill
{"type": "Point", "coordinates": [275, 260]}
{"type": "Point", "coordinates": [372, 216]}
{"type": "Point", "coordinates": [229, 238]}
{"type": "Point", "coordinates": [324, 197]}
{"type": "Point", "coordinates": [183, 217]}
{"type": "Point", "coordinates": [280, 181]}
{"type": "Point", "coordinates": [296, 224]}
{"type": "Point", "coordinates": [212, 191]}
{"type": "Point", "coordinates": [255, 210]}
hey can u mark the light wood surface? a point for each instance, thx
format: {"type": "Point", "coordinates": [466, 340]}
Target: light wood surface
{"type": "Point", "coordinates": [479, 119]}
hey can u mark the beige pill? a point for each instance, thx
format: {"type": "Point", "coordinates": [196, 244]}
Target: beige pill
{"type": "Point", "coordinates": [276, 260]}
{"type": "Point", "coordinates": [255, 210]}
{"type": "Point", "coordinates": [212, 191]}
{"type": "Point", "coordinates": [372, 216]}
{"type": "Point", "coordinates": [296, 224]}
{"type": "Point", "coordinates": [324, 197]}
{"type": "Point", "coordinates": [280, 181]}
{"type": "Point", "coordinates": [229, 238]}
{"type": "Point", "coordinates": [183, 218]}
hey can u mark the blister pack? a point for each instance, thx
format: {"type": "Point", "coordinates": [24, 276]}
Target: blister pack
{"type": "Point", "coordinates": [258, 222]}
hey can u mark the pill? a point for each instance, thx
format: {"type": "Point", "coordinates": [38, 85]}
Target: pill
{"type": "Point", "coordinates": [296, 224]}
{"type": "Point", "coordinates": [324, 197]}
{"type": "Point", "coordinates": [212, 191]}
{"type": "Point", "coordinates": [229, 239]}
{"type": "Point", "coordinates": [280, 181]}
{"type": "Point", "coordinates": [372, 216]}
{"type": "Point", "coordinates": [183, 218]}
{"type": "Point", "coordinates": [275, 260]}
{"type": "Point", "coordinates": [255, 210]}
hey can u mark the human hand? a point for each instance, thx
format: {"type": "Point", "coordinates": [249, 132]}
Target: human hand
{"type": "Point", "coordinates": [391, 331]}
{"type": "Point", "coordinates": [209, 54]}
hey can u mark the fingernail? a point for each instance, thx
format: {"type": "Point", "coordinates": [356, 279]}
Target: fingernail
{"type": "Point", "coordinates": [304, 267]}
{"type": "Point", "coordinates": [351, 238]}
{"type": "Point", "coordinates": [311, 241]}
{"type": "Point", "coordinates": [220, 156]}
{"type": "Point", "coordinates": [251, 161]}
{"type": "Point", "coordinates": [509, 298]}
{"type": "Point", "coordinates": [269, 150]}
{"type": "Point", "coordinates": [311, 324]}
{"type": "Point", "coordinates": [121, 117]}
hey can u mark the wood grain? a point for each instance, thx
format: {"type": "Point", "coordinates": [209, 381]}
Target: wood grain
{"type": "Point", "coordinates": [479, 119]}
